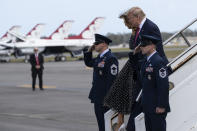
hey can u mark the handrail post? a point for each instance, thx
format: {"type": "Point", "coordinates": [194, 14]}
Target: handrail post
{"type": "Point", "coordinates": [180, 32]}
{"type": "Point", "coordinates": [186, 40]}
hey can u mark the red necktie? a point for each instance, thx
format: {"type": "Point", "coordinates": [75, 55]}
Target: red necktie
{"type": "Point", "coordinates": [37, 61]}
{"type": "Point", "coordinates": [137, 34]}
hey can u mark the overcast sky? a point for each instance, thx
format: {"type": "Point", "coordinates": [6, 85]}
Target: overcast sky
{"type": "Point", "coordinates": [169, 15]}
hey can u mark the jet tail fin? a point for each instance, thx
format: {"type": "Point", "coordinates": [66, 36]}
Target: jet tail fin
{"type": "Point", "coordinates": [90, 30]}
{"type": "Point", "coordinates": [36, 31]}
{"type": "Point", "coordinates": [7, 37]}
{"type": "Point", "coordinates": [17, 36]}
{"type": "Point", "coordinates": [62, 31]}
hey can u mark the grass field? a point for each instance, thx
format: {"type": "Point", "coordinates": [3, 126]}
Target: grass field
{"type": "Point", "coordinates": [171, 51]}
{"type": "Point", "coordinates": [173, 54]}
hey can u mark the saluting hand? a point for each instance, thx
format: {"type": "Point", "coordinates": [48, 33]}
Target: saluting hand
{"type": "Point", "coordinates": [160, 110]}
{"type": "Point", "coordinates": [137, 49]}
{"type": "Point", "coordinates": [91, 48]}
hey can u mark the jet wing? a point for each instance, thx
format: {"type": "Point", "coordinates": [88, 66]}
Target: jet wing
{"type": "Point", "coordinates": [6, 46]}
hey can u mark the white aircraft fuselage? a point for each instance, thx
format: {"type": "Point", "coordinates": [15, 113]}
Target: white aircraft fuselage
{"type": "Point", "coordinates": [70, 44]}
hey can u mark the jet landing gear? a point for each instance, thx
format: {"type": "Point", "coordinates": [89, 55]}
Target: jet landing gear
{"type": "Point", "coordinates": [60, 58]}
{"type": "Point", "coordinates": [26, 60]}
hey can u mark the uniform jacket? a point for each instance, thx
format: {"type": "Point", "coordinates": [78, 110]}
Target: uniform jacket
{"type": "Point", "coordinates": [105, 70]}
{"type": "Point", "coordinates": [149, 28]}
{"type": "Point", "coordinates": [33, 61]}
{"type": "Point", "coordinates": [155, 85]}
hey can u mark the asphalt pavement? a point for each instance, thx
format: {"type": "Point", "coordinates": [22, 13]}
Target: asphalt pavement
{"type": "Point", "coordinates": [62, 106]}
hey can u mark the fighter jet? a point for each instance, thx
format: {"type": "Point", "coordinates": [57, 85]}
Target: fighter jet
{"type": "Point", "coordinates": [57, 46]}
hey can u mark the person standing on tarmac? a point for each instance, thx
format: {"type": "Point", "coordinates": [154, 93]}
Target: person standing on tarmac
{"type": "Point", "coordinates": [37, 61]}
{"type": "Point", "coordinates": [105, 70]}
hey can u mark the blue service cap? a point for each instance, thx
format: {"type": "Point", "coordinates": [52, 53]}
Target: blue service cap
{"type": "Point", "coordinates": [148, 39]}
{"type": "Point", "coordinates": [101, 39]}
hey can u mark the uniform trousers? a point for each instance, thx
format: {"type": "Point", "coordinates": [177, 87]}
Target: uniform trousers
{"type": "Point", "coordinates": [35, 73]}
{"type": "Point", "coordinates": [100, 110]}
{"type": "Point", "coordinates": [155, 122]}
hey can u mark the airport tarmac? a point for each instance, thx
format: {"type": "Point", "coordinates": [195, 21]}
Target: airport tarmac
{"type": "Point", "coordinates": [62, 106]}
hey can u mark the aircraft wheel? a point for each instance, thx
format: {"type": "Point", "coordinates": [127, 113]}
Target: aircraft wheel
{"type": "Point", "coordinates": [57, 58]}
{"type": "Point", "coordinates": [26, 60]}
{"type": "Point", "coordinates": [63, 58]}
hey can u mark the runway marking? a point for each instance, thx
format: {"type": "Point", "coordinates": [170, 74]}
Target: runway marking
{"type": "Point", "coordinates": [37, 86]}
{"type": "Point", "coordinates": [36, 116]}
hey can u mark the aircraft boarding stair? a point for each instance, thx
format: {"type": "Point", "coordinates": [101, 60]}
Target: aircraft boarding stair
{"type": "Point", "coordinates": [183, 92]}
{"type": "Point", "coordinates": [183, 115]}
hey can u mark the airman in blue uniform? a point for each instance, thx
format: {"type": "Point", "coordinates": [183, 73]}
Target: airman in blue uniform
{"type": "Point", "coordinates": [155, 86]}
{"type": "Point", "coordinates": [105, 70]}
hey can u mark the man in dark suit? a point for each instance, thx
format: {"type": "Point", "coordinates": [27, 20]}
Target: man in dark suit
{"type": "Point", "coordinates": [155, 86]}
{"type": "Point", "coordinates": [36, 61]}
{"type": "Point", "coordinates": [105, 70]}
{"type": "Point", "coordinates": [136, 20]}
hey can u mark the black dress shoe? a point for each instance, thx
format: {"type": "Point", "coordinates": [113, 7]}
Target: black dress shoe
{"type": "Point", "coordinates": [41, 89]}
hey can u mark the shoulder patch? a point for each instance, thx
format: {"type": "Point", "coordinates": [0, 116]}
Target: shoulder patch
{"type": "Point", "coordinates": [114, 69]}
{"type": "Point", "coordinates": [162, 73]}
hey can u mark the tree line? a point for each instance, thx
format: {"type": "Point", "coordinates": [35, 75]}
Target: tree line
{"type": "Point", "coordinates": [124, 37]}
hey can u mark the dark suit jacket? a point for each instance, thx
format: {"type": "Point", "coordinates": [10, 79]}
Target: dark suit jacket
{"type": "Point", "coordinates": [33, 61]}
{"type": "Point", "coordinates": [150, 28]}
